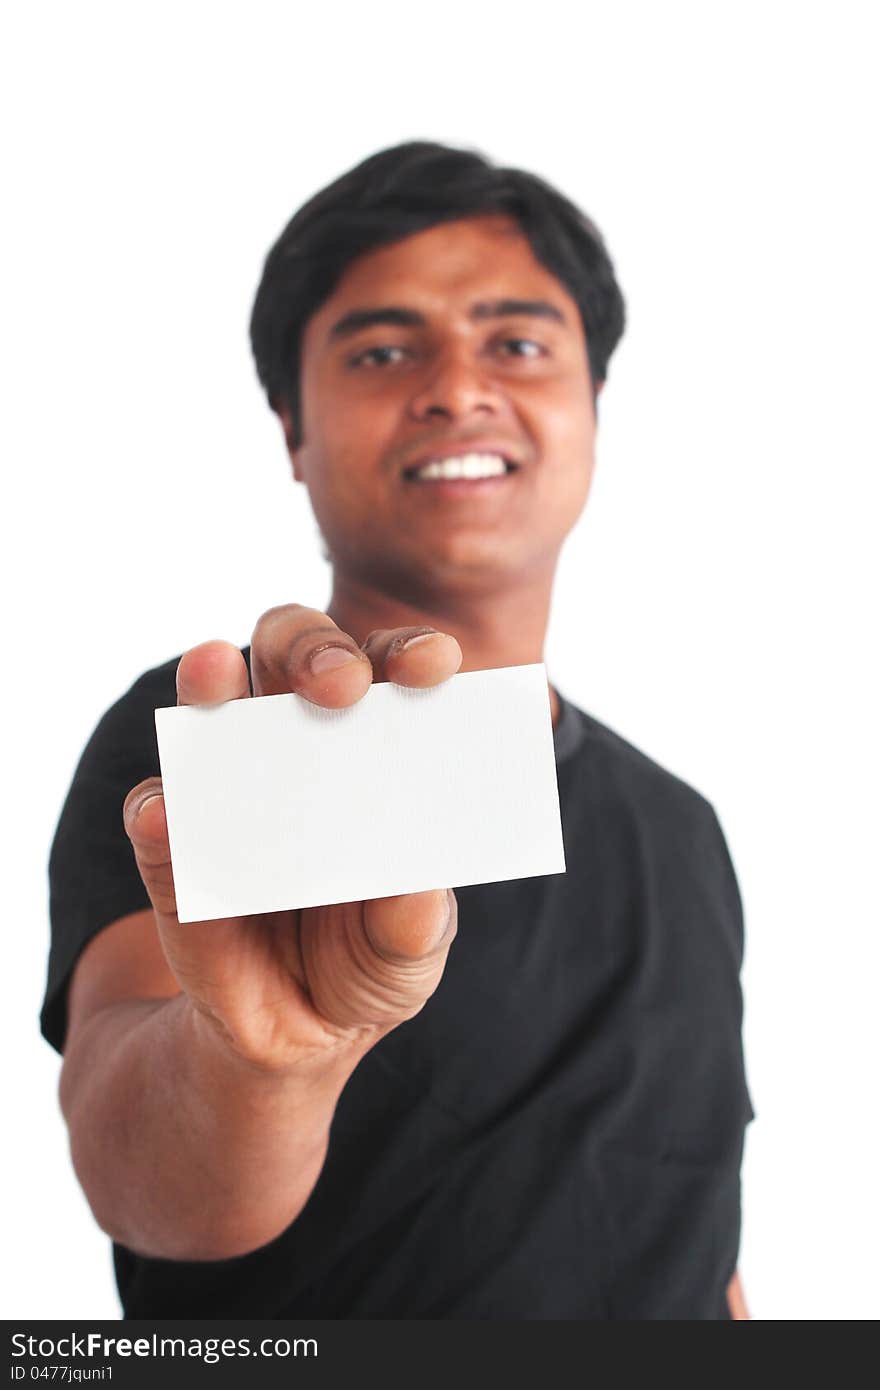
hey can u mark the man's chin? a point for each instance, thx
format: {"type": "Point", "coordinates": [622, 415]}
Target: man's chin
{"type": "Point", "coordinates": [475, 571]}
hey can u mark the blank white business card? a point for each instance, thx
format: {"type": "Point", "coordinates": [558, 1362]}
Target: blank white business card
{"type": "Point", "coordinates": [276, 803]}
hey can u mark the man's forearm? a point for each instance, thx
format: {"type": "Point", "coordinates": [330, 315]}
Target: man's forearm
{"type": "Point", "coordinates": [185, 1150]}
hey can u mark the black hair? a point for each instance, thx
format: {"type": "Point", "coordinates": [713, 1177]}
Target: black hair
{"type": "Point", "coordinates": [405, 189]}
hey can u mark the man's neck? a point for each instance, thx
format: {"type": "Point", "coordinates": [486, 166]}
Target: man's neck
{"type": "Point", "coordinates": [506, 629]}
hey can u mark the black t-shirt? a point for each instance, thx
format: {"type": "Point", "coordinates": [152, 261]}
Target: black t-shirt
{"type": "Point", "coordinates": [558, 1133]}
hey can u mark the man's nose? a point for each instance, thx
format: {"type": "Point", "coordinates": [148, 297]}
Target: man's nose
{"type": "Point", "coordinates": [456, 386]}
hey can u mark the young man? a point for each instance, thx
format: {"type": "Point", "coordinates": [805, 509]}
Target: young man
{"type": "Point", "coordinates": [516, 1100]}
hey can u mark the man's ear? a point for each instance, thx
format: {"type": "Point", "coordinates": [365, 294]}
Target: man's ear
{"type": "Point", "coordinates": [285, 415]}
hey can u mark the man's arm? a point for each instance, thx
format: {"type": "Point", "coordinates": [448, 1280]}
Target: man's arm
{"type": "Point", "coordinates": [204, 1060]}
{"type": "Point", "coordinates": [736, 1299]}
{"type": "Point", "coordinates": [185, 1149]}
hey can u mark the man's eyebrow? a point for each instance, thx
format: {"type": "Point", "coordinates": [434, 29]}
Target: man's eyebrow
{"type": "Point", "coordinates": [501, 308]}
{"type": "Point", "coordinates": [356, 319]}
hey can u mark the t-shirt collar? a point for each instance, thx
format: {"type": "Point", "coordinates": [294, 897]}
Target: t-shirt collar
{"type": "Point", "coordinates": [568, 732]}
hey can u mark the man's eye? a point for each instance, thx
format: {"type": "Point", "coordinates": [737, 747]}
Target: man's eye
{"type": "Point", "coordinates": [528, 342]}
{"type": "Point", "coordinates": [370, 355]}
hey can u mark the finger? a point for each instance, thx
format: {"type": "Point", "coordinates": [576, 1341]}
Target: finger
{"type": "Point", "coordinates": [300, 649]}
{"type": "Point", "coordinates": [374, 964]}
{"type": "Point", "coordinates": [143, 815]}
{"type": "Point", "coordinates": [210, 673]}
{"type": "Point", "coordinates": [192, 950]}
{"type": "Point", "coordinates": [414, 656]}
{"type": "Point", "coordinates": [409, 927]}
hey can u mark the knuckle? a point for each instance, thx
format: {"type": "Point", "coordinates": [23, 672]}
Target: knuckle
{"type": "Point", "coordinates": [287, 636]}
{"type": "Point", "coordinates": [279, 612]}
{"type": "Point", "coordinates": [263, 626]}
{"type": "Point", "coordinates": [269, 622]}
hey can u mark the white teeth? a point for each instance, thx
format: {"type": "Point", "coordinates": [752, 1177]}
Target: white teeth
{"type": "Point", "coordinates": [465, 466]}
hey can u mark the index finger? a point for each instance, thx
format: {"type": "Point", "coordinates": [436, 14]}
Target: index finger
{"type": "Point", "coordinates": [301, 649]}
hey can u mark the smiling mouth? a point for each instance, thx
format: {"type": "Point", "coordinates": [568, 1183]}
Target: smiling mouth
{"type": "Point", "coordinates": [466, 470]}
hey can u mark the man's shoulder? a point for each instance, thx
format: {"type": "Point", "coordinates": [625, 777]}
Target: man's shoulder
{"type": "Point", "coordinates": [621, 772]}
{"type": "Point", "coordinates": [646, 813]}
{"type": "Point", "coordinates": [152, 689]}
{"type": "Point", "coordinates": [158, 679]}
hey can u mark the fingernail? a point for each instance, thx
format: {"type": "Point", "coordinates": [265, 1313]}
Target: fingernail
{"type": "Point", "coordinates": [422, 637]}
{"type": "Point", "coordinates": [328, 658]}
{"type": "Point", "coordinates": [136, 813]}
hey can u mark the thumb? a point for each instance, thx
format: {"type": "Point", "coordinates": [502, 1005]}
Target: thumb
{"type": "Point", "coordinates": [408, 927]}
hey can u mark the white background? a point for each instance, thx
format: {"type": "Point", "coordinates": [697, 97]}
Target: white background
{"type": "Point", "coordinates": [715, 603]}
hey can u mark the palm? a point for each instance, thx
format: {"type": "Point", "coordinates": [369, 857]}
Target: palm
{"type": "Point", "coordinates": [294, 981]}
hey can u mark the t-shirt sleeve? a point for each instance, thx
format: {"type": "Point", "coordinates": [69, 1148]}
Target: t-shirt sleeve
{"type": "Point", "coordinates": [730, 891]}
{"type": "Point", "coordinates": [93, 877]}
{"type": "Point", "coordinates": [732, 1103]}
{"type": "Point", "coordinates": [674, 1204]}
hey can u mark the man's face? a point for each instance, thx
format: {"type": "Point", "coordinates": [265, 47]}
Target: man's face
{"type": "Point", "coordinates": [415, 355]}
